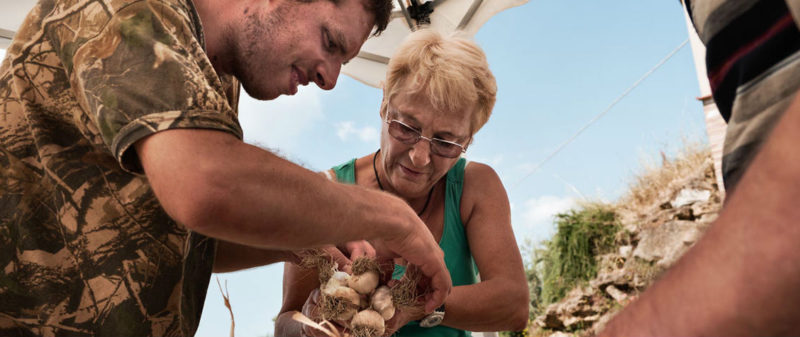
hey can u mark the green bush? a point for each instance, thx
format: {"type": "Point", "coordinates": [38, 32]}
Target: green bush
{"type": "Point", "coordinates": [569, 257]}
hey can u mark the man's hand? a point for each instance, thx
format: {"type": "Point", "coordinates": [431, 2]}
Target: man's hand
{"type": "Point", "coordinates": [355, 249]}
{"type": "Point", "coordinates": [358, 249]}
{"type": "Point", "coordinates": [415, 247]}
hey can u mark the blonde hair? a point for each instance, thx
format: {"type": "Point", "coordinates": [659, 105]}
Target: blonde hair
{"type": "Point", "coordinates": [452, 72]}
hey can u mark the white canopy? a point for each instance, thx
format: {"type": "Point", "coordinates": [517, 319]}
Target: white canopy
{"type": "Point", "coordinates": [11, 15]}
{"type": "Point", "coordinates": [448, 16]}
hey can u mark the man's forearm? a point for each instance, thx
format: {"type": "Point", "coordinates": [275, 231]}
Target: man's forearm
{"type": "Point", "coordinates": [227, 189]}
{"type": "Point", "coordinates": [232, 257]}
{"type": "Point", "coordinates": [218, 186]}
{"type": "Point", "coordinates": [742, 277]}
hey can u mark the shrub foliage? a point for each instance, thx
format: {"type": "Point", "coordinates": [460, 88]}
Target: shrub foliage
{"type": "Point", "coordinates": [569, 257]}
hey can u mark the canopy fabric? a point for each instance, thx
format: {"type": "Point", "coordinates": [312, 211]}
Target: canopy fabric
{"type": "Point", "coordinates": [11, 15]}
{"type": "Point", "coordinates": [462, 17]}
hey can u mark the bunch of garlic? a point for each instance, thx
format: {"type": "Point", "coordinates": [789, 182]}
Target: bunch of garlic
{"type": "Point", "coordinates": [357, 300]}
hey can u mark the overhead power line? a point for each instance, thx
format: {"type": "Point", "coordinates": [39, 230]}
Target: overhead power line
{"type": "Point", "coordinates": [602, 113]}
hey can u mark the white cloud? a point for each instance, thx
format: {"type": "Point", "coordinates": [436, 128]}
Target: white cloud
{"type": "Point", "coordinates": [534, 219]}
{"type": "Point", "coordinates": [366, 134]}
{"type": "Point", "coordinates": [283, 122]}
{"type": "Point", "coordinates": [542, 209]}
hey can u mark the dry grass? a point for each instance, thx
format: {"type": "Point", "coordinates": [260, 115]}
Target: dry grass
{"type": "Point", "coordinates": [227, 298]}
{"type": "Point", "coordinates": [655, 181]}
{"type": "Point", "coordinates": [646, 272]}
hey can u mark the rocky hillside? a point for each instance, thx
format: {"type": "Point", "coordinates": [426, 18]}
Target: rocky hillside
{"type": "Point", "coordinates": [666, 211]}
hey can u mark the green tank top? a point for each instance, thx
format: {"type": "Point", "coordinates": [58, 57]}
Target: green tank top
{"type": "Point", "coordinates": [457, 256]}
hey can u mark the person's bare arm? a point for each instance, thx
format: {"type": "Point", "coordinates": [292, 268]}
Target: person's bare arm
{"type": "Point", "coordinates": [742, 277]}
{"type": "Point", "coordinates": [297, 285]}
{"type": "Point", "coordinates": [215, 184]}
{"type": "Point", "coordinates": [232, 257]}
{"type": "Point", "coordinates": [500, 300]}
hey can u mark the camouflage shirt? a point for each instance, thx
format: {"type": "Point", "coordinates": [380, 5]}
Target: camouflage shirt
{"type": "Point", "coordinates": [85, 247]}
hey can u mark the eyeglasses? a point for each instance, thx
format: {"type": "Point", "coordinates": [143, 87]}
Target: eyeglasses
{"type": "Point", "coordinates": [408, 135]}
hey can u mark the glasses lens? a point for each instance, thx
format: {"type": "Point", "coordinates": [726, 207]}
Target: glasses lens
{"type": "Point", "coordinates": [445, 149]}
{"type": "Point", "coordinates": [403, 133]}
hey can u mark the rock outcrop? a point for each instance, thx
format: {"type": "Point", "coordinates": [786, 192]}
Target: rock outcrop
{"type": "Point", "coordinates": [654, 237]}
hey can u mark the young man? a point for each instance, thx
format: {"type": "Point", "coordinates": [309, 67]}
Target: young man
{"type": "Point", "coordinates": [124, 170]}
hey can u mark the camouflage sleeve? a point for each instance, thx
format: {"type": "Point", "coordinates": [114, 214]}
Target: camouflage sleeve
{"type": "Point", "coordinates": [146, 72]}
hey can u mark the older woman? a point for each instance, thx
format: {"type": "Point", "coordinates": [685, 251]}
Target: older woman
{"type": "Point", "coordinates": [439, 91]}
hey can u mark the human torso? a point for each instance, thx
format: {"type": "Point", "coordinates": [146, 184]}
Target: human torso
{"type": "Point", "coordinates": [85, 247]}
{"type": "Point", "coordinates": [445, 219]}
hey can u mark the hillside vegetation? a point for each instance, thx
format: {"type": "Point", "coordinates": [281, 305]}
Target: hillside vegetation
{"type": "Point", "coordinates": [604, 254]}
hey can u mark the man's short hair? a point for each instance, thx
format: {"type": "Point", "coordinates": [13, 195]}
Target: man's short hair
{"type": "Point", "coordinates": [380, 9]}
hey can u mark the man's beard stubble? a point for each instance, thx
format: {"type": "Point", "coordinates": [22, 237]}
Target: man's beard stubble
{"type": "Point", "coordinates": [251, 51]}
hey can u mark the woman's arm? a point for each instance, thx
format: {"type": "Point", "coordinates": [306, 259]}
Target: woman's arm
{"type": "Point", "coordinates": [297, 285]}
{"type": "Point", "coordinates": [500, 300]}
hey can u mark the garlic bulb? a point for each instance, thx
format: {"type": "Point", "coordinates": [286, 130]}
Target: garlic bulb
{"type": "Point", "coordinates": [382, 302]}
{"type": "Point", "coordinates": [364, 283]}
{"type": "Point", "coordinates": [369, 319]}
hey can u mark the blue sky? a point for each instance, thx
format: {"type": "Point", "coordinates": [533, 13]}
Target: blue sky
{"type": "Point", "coordinates": [558, 64]}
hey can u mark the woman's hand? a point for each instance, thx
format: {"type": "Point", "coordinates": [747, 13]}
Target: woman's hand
{"type": "Point", "coordinates": [401, 318]}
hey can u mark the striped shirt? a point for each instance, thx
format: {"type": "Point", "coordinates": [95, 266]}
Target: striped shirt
{"type": "Point", "coordinates": [753, 62]}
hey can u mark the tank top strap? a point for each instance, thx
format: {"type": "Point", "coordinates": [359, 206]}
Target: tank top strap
{"type": "Point", "coordinates": [346, 172]}
{"type": "Point", "coordinates": [455, 186]}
